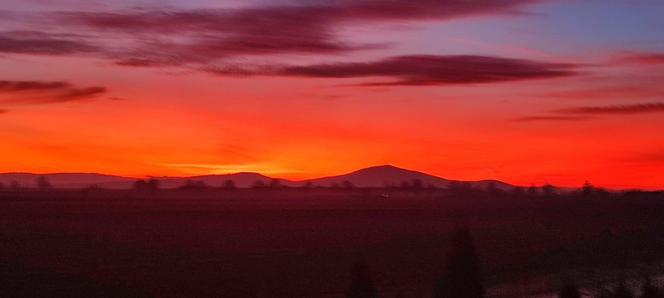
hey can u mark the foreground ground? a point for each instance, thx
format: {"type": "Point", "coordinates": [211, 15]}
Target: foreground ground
{"type": "Point", "coordinates": [302, 243]}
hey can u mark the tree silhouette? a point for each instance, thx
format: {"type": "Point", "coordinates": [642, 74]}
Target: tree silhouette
{"type": "Point", "coordinates": [587, 190]}
{"type": "Point", "coordinates": [361, 285]}
{"type": "Point", "coordinates": [152, 184]}
{"type": "Point", "coordinates": [417, 185]}
{"type": "Point", "coordinates": [259, 184]}
{"type": "Point", "coordinates": [533, 191]}
{"type": "Point", "coordinates": [43, 184]}
{"type": "Point", "coordinates": [139, 184]}
{"type": "Point", "coordinates": [648, 290]}
{"type": "Point", "coordinates": [276, 183]}
{"type": "Point", "coordinates": [229, 184]}
{"type": "Point", "coordinates": [569, 290]}
{"type": "Point", "coordinates": [347, 184]}
{"type": "Point", "coordinates": [405, 185]}
{"type": "Point", "coordinates": [462, 278]}
{"type": "Point", "coordinates": [194, 185]}
{"type": "Point", "coordinates": [549, 191]}
{"type": "Point", "coordinates": [518, 191]}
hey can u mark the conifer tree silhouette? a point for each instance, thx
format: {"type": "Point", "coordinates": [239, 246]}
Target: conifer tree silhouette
{"type": "Point", "coordinates": [362, 285]}
{"type": "Point", "coordinates": [462, 278]}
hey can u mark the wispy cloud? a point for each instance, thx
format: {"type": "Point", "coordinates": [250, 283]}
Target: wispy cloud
{"type": "Point", "coordinates": [641, 58]}
{"type": "Point", "coordinates": [40, 43]}
{"type": "Point", "coordinates": [628, 109]}
{"type": "Point", "coordinates": [550, 118]}
{"type": "Point", "coordinates": [38, 92]}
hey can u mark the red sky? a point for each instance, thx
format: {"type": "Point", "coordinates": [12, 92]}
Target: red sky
{"type": "Point", "coordinates": [528, 92]}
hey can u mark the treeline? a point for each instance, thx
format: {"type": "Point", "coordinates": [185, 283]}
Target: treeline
{"type": "Point", "coordinates": [492, 189]}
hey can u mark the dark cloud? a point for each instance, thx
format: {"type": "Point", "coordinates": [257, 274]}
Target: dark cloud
{"type": "Point", "coordinates": [550, 118]}
{"type": "Point", "coordinates": [311, 17]}
{"type": "Point", "coordinates": [37, 92]}
{"type": "Point", "coordinates": [207, 35]}
{"type": "Point", "coordinates": [421, 70]}
{"type": "Point", "coordinates": [643, 108]}
{"type": "Point", "coordinates": [39, 43]}
{"type": "Point", "coordinates": [3, 111]}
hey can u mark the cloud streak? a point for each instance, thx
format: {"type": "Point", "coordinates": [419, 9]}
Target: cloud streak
{"type": "Point", "coordinates": [38, 92]}
{"type": "Point", "coordinates": [643, 108]}
{"type": "Point", "coordinates": [39, 43]}
{"type": "Point", "coordinates": [642, 58]}
{"type": "Point", "coordinates": [421, 70]}
{"type": "Point", "coordinates": [550, 118]}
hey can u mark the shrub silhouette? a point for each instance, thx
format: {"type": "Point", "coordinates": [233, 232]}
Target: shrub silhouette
{"type": "Point", "coordinates": [361, 285]}
{"type": "Point", "coordinates": [462, 278]}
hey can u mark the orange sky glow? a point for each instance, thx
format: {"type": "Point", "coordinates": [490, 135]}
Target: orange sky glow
{"type": "Point", "coordinates": [493, 98]}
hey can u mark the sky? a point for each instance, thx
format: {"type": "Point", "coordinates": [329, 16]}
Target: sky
{"type": "Point", "coordinates": [525, 91]}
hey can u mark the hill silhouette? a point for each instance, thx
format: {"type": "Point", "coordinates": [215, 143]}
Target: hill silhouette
{"type": "Point", "coordinates": [377, 176]}
{"type": "Point", "coordinates": [382, 176]}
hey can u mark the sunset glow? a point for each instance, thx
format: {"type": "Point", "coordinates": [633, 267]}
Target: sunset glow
{"type": "Point", "coordinates": [523, 91]}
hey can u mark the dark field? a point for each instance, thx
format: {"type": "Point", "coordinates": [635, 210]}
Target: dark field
{"type": "Point", "coordinates": [302, 243]}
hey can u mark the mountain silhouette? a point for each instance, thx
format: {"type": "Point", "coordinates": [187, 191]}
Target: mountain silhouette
{"type": "Point", "coordinates": [382, 176]}
{"type": "Point", "coordinates": [68, 180]}
{"type": "Point", "coordinates": [377, 176]}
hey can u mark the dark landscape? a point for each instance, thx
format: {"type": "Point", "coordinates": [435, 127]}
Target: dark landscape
{"type": "Point", "coordinates": [273, 240]}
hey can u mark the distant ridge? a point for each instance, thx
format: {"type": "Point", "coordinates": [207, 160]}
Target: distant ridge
{"type": "Point", "coordinates": [376, 176]}
{"type": "Point", "coordinates": [382, 176]}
